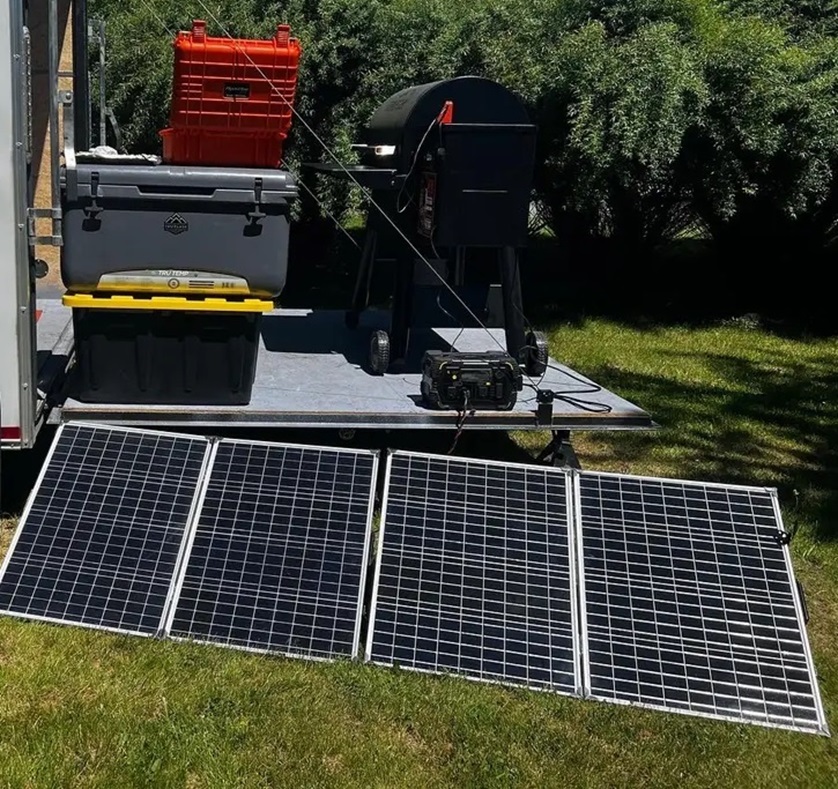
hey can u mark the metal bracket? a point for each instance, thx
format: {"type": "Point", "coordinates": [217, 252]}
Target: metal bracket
{"type": "Point", "coordinates": [54, 213]}
{"type": "Point", "coordinates": [560, 452]}
{"type": "Point", "coordinates": [32, 214]}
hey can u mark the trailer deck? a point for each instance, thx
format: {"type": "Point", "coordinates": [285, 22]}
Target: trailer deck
{"type": "Point", "coordinates": [310, 374]}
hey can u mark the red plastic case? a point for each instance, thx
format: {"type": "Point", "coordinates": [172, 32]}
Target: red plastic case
{"type": "Point", "coordinates": [235, 90]}
{"type": "Point", "coordinates": [221, 150]}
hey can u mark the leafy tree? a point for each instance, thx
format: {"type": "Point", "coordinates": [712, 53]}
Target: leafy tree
{"type": "Point", "coordinates": [764, 159]}
{"type": "Point", "coordinates": [803, 18]}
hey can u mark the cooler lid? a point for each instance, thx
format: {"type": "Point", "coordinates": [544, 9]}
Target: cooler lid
{"type": "Point", "coordinates": [182, 180]}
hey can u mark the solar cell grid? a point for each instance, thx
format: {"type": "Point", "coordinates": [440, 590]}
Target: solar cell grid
{"type": "Point", "coordinates": [99, 541]}
{"type": "Point", "coordinates": [279, 553]}
{"type": "Point", "coordinates": [474, 575]}
{"type": "Point", "coordinates": [688, 602]}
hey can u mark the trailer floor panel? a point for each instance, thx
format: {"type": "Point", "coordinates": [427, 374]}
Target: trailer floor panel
{"type": "Point", "coordinates": [311, 373]}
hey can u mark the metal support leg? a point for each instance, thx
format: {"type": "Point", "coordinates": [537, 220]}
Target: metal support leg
{"type": "Point", "coordinates": [81, 77]}
{"type": "Point", "coordinates": [402, 316]}
{"type": "Point", "coordinates": [513, 307]}
{"type": "Point", "coordinates": [460, 267]}
{"type": "Point", "coordinates": [560, 452]}
{"type": "Point", "coordinates": [360, 296]}
{"type": "Point", "coordinates": [55, 142]}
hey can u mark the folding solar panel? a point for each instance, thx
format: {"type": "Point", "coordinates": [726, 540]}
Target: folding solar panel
{"type": "Point", "coordinates": [689, 602]}
{"type": "Point", "coordinates": [278, 558]}
{"type": "Point", "coordinates": [474, 573]}
{"type": "Point", "coordinates": [100, 539]}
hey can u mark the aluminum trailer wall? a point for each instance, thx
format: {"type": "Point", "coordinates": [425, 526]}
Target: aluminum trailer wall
{"type": "Point", "coordinates": [18, 390]}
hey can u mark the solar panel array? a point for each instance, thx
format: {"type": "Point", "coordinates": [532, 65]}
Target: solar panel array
{"type": "Point", "coordinates": [660, 593]}
{"type": "Point", "coordinates": [280, 551]}
{"type": "Point", "coordinates": [474, 574]}
{"type": "Point", "coordinates": [99, 542]}
{"type": "Point", "coordinates": [686, 596]}
{"type": "Point", "coordinates": [689, 604]}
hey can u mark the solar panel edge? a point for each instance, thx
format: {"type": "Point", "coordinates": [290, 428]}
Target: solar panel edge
{"type": "Point", "coordinates": [712, 716]}
{"type": "Point", "coordinates": [678, 481]}
{"type": "Point", "coordinates": [376, 578]}
{"type": "Point", "coordinates": [137, 431]}
{"type": "Point", "coordinates": [289, 445]}
{"type": "Point", "coordinates": [801, 621]}
{"type": "Point", "coordinates": [580, 619]}
{"type": "Point", "coordinates": [290, 654]}
{"type": "Point", "coordinates": [188, 541]}
{"type": "Point", "coordinates": [555, 689]}
{"type": "Point", "coordinates": [480, 461]}
{"type": "Point", "coordinates": [52, 620]}
{"type": "Point", "coordinates": [365, 560]}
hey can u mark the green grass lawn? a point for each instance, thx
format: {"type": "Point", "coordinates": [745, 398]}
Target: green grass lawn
{"type": "Point", "coordinates": [736, 403]}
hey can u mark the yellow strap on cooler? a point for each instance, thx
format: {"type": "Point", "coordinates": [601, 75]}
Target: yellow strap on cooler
{"type": "Point", "coordinates": [121, 301]}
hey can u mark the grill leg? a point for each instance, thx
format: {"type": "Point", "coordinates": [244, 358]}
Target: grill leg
{"type": "Point", "coordinates": [361, 294]}
{"type": "Point", "coordinates": [402, 316]}
{"type": "Point", "coordinates": [513, 306]}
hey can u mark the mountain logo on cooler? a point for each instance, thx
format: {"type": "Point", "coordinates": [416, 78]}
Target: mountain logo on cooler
{"type": "Point", "coordinates": [175, 225]}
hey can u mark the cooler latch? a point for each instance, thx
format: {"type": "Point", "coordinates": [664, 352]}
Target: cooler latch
{"type": "Point", "coordinates": [94, 209]}
{"type": "Point", "coordinates": [256, 213]}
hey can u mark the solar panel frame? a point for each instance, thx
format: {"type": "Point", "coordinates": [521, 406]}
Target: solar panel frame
{"type": "Point", "coordinates": [27, 512]}
{"type": "Point", "coordinates": [571, 569]}
{"type": "Point", "coordinates": [180, 577]}
{"type": "Point", "coordinates": [821, 726]}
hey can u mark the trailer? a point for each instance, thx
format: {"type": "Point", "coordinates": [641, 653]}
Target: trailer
{"type": "Point", "coordinates": [310, 370]}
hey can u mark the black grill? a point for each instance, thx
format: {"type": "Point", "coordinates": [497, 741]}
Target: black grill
{"type": "Point", "coordinates": [451, 165]}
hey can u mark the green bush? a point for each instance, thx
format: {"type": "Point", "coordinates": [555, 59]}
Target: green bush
{"type": "Point", "coordinates": [803, 18]}
{"type": "Point", "coordinates": [764, 160]}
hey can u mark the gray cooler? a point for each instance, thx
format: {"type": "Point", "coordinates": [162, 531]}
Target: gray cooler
{"type": "Point", "coordinates": [139, 227]}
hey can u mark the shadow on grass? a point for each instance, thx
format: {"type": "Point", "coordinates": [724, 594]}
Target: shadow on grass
{"type": "Point", "coordinates": [774, 425]}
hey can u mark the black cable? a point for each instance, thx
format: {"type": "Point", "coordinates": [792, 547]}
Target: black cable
{"type": "Point", "coordinates": [590, 386]}
{"type": "Point", "coordinates": [461, 421]}
{"type": "Point", "coordinates": [591, 406]}
{"type": "Point", "coordinates": [413, 164]}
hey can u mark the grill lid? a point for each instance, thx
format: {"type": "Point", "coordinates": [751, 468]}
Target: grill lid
{"type": "Point", "coordinates": [403, 119]}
